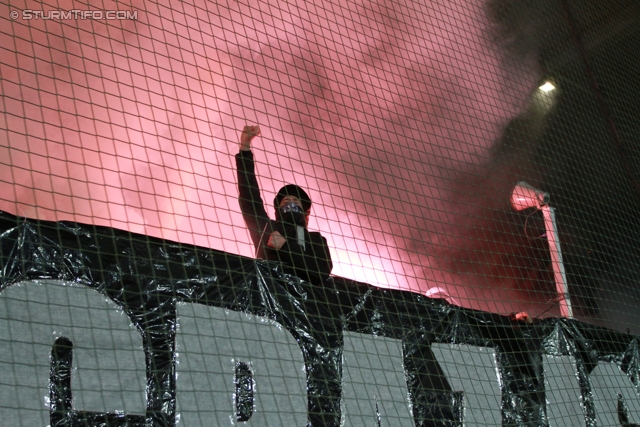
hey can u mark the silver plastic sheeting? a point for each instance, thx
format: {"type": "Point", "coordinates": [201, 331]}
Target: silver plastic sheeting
{"type": "Point", "coordinates": [147, 278]}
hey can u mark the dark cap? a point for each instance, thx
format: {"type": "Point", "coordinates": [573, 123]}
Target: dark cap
{"type": "Point", "coordinates": [293, 190]}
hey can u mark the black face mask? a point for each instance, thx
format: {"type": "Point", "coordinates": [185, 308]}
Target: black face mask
{"type": "Point", "coordinates": [292, 213]}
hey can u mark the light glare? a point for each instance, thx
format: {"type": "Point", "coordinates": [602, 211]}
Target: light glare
{"type": "Point", "coordinates": [547, 87]}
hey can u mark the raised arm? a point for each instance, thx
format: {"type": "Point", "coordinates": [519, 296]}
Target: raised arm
{"type": "Point", "coordinates": [251, 204]}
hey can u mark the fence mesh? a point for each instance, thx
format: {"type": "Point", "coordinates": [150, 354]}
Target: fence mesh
{"type": "Point", "coordinates": [474, 173]}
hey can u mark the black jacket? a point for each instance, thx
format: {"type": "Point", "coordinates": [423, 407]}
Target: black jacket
{"type": "Point", "coordinates": [311, 263]}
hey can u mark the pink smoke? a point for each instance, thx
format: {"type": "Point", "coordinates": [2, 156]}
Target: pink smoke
{"type": "Point", "coordinates": [387, 112]}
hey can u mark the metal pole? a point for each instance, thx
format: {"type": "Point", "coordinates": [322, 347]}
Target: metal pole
{"type": "Point", "coordinates": [556, 259]}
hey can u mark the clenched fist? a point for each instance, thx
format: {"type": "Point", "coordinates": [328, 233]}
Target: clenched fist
{"type": "Point", "coordinates": [247, 135]}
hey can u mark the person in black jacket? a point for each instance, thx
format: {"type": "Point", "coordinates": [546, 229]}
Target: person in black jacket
{"type": "Point", "coordinates": [285, 239]}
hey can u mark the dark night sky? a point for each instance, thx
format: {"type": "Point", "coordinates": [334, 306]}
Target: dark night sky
{"type": "Point", "coordinates": [587, 151]}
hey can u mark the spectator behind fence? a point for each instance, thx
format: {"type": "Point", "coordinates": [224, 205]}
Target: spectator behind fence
{"type": "Point", "coordinates": [285, 239]}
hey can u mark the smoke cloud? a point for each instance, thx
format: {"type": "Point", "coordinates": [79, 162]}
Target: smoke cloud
{"type": "Point", "coordinates": [408, 123]}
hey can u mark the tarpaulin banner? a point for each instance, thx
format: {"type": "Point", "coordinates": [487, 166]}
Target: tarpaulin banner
{"type": "Point", "coordinates": [149, 278]}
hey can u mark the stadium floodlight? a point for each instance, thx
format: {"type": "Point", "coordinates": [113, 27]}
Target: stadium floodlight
{"type": "Point", "coordinates": [525, 196]}
{"type": "Point", "coordinates": [547, 87]}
